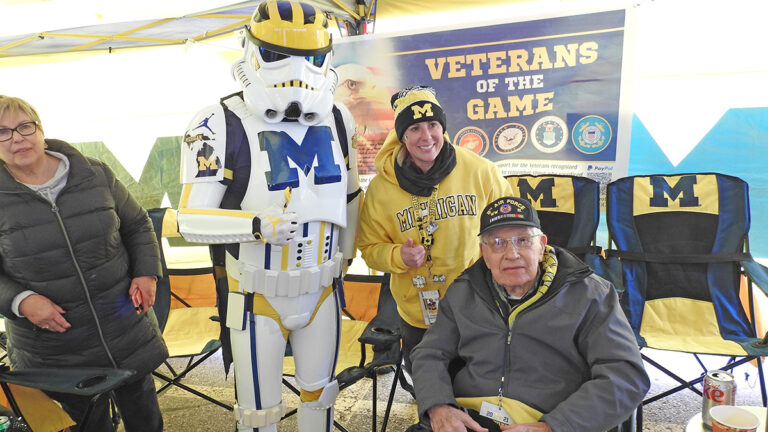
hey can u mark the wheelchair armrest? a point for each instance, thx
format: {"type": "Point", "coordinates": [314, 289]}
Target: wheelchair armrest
{"type": "Point", "coordinates": [76, 381]}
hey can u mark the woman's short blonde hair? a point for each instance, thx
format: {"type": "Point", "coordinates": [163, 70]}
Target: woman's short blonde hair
{"type": "Point", "coordinates": [14, 104]}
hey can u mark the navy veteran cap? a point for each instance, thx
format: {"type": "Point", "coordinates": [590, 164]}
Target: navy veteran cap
{"type": "Point", "coordinates": [508, 211]}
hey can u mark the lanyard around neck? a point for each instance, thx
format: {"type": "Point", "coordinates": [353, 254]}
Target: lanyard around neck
{"type": "Point", "coordinates": [426, 225]}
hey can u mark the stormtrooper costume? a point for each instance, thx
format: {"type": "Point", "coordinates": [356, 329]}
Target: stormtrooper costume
{"type": "Point", "coordinates": [271, 172]}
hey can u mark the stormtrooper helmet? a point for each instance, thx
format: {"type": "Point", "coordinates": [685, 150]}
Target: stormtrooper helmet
{"type": "Point", "coordinates": [285, 70]}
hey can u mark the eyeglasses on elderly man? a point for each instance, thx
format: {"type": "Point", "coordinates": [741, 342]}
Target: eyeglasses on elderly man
{"type": "Point", "coordinates": [498, 244]}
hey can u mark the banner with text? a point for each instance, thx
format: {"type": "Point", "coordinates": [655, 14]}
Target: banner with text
{"type": "Point", "coordinates": [538, 97]}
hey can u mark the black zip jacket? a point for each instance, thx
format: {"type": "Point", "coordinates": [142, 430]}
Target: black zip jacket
{"type": "Point", "coordinates": [81, 253]}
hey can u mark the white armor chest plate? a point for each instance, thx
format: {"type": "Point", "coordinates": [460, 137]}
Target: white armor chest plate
{"type": "Point", "coordinates": [308, 159]}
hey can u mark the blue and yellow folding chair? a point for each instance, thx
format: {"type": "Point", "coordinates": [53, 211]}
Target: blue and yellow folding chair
{"type": "Point", "coordinates": [681, 242]}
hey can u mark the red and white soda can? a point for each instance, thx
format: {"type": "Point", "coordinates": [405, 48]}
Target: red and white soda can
{"type": "Point", "coordinates": [719, 388]}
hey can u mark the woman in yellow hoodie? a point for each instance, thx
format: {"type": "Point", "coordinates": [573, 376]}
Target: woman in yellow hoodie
{"type": "Point", "coordinates": [420, 216]}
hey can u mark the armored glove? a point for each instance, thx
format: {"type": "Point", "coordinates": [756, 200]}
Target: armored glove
{"type": "Point", "coordinates": [275, 225]}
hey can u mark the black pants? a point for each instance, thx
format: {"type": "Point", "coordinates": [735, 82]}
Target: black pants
{"type": "Point", "coordinates": [136, 401]}
{"type": "Point", "coordinates": [411, 337]}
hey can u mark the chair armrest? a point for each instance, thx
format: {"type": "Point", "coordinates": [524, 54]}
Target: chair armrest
{"type": "Point", "coordinates": [76, 381]}
{"type": "Point", "coordinates": [758, 273]}
{"type": "Point", "coordinates": [380, 333]}
{"type": "Point", "coordinates": [384, 336]}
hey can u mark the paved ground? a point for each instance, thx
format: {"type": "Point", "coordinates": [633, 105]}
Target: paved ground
{"type": "Point", "coordinates": [187, 413]}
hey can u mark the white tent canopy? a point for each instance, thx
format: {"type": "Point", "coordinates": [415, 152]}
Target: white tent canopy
{"type": "Point", "coordinates": [29, 27]}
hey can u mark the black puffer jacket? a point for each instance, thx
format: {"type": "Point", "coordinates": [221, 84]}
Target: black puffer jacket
{"type": "Point", "coordinates": [82, 254]}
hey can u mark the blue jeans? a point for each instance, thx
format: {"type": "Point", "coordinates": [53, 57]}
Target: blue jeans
{"type": "Point", "coordinates": [136, 401]}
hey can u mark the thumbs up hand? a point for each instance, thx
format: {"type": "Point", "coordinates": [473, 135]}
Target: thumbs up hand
{"type": "Point", "coordinates": [412, 254]}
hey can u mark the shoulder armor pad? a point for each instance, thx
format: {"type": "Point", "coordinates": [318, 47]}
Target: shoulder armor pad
{"type": "Point", "coordinates": [236, 104]}
{"type": "Point", "coordinates": [203, 147]}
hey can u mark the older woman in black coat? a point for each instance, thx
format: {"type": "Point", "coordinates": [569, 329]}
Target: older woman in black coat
{"type": "Point", "coordinates": [78, 265]}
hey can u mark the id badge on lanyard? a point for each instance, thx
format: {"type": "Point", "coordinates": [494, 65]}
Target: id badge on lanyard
{"type": "Point", "coordinates": [429, 300]}
{"type": "Point", "coordinates": [496, 413]}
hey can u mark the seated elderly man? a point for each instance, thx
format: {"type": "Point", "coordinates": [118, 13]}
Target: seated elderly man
{"type": "Point", "coordinates": [527, 338]}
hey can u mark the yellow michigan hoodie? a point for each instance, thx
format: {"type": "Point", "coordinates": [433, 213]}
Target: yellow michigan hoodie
{"type": "Point", "coordinates": [387, 222]}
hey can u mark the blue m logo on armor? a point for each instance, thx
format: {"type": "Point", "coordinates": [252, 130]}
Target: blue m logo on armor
{"type": "Point", "coordinates": [316, 145]}
{"type": "Point", "coordinates": [682, 190]}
